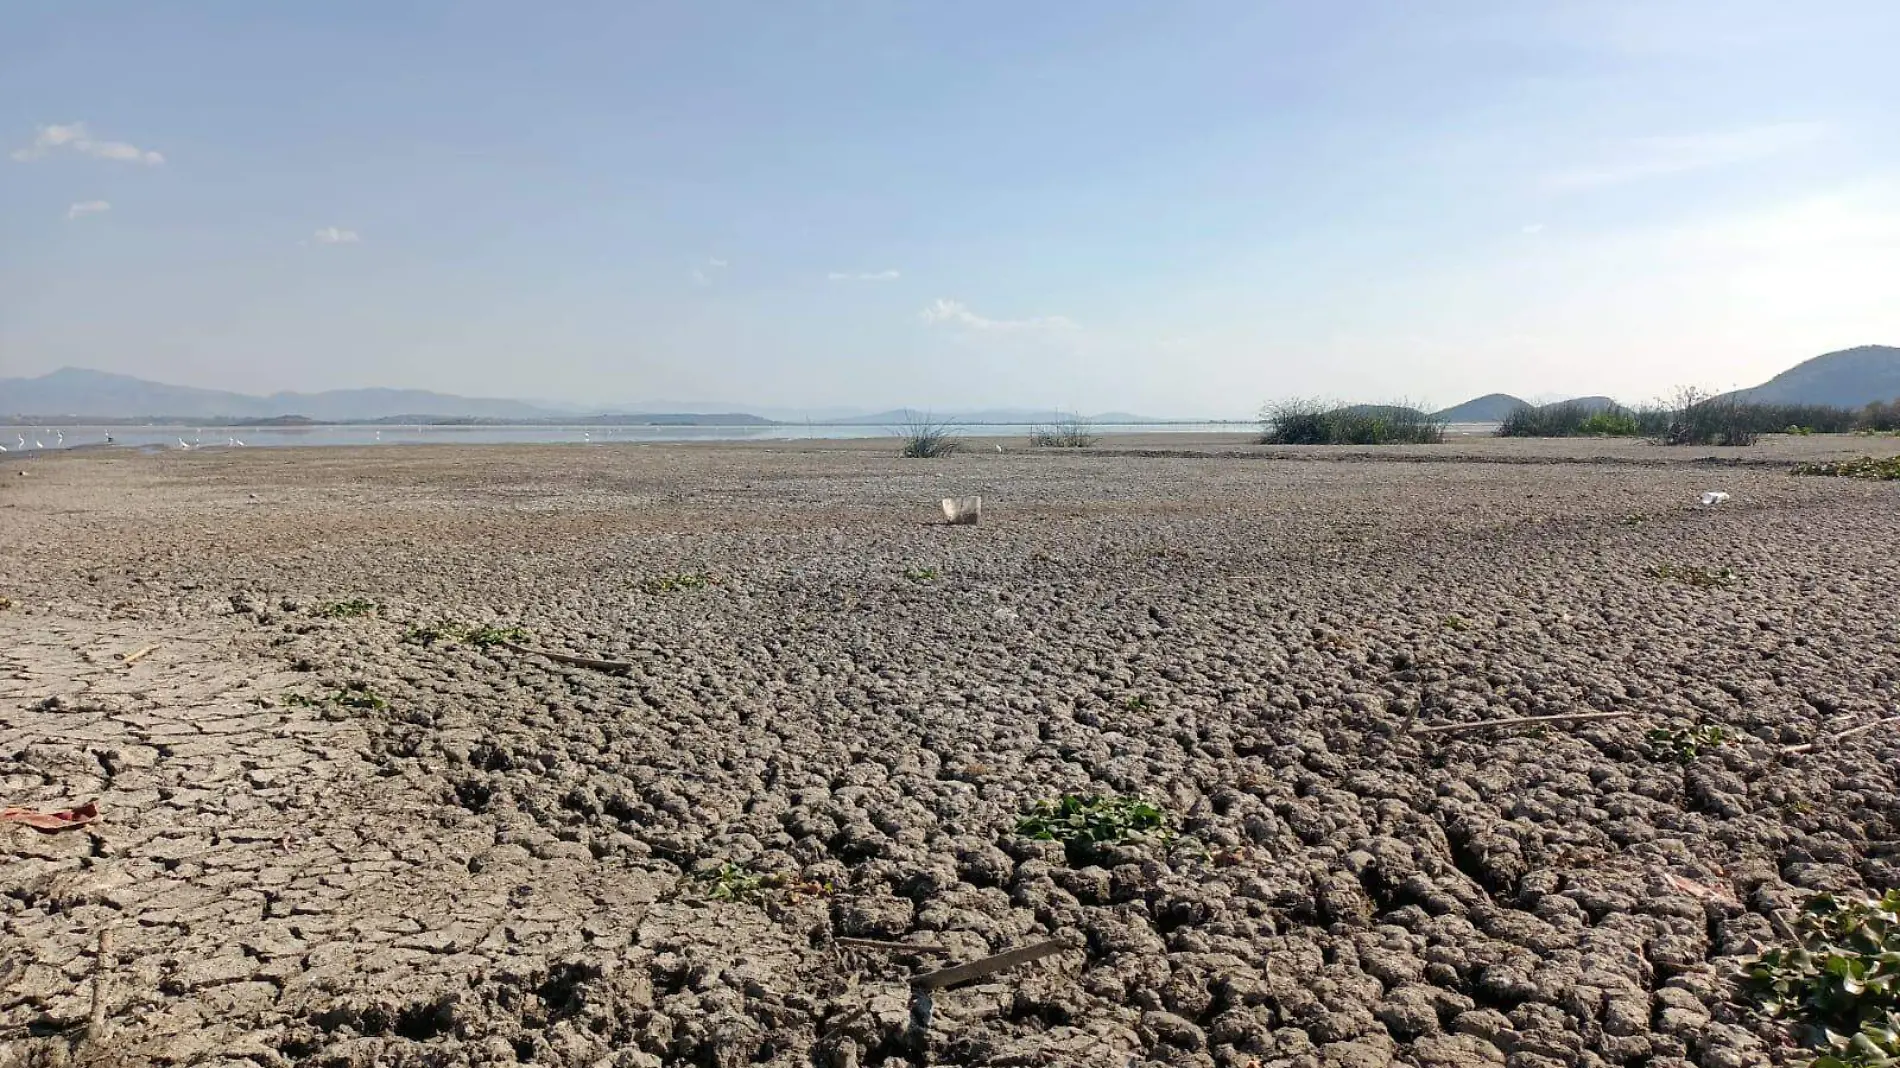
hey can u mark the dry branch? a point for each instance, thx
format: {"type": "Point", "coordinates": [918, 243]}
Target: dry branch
{"type": "Point", "coordinates": [569, 658]}
{"type": "Point", "coordinates": [892, 947]}
{"type": "Point", "coordinates": [101, 975]}
{"type": "Point", "coordinates": [133, 658]}
{"type": "Point", "coordinates": [1809, 747]}
{"type": "Point", "coordinates": [1519, 721]}
{"type": "Point", "coordinates": [977, 969]}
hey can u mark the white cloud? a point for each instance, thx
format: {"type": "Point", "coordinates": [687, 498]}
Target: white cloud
{"type": "Point", "coordinates": [87, 207]}
{"type": "Point", "coordinates": [74, 137]}
{"type": "Point", "coordinates": [1533, 228]}
{"type": "Point", "coordinates": [716, 262]}
{"type": "Point", "coordinates": [864, 276]}
{"type": "Point", "coordinates": [331, 235]}
{"type": "Point", "coordinates": [956, 313]}
{"type": "Point", "coordinates": [1657, 157]}
{"type": "Point", "coordinates": [703, 275]}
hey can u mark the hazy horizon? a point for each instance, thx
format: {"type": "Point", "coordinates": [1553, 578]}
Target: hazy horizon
{"type": "Point", "coordinates": [1177, 210]}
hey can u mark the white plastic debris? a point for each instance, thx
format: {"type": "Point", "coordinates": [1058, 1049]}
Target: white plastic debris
{"type": "Point", "coordinates": [962, 511]}
{"type": "Point", "coordinates": [1714, 497]}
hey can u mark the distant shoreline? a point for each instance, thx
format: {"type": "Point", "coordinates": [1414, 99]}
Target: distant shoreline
{"type": "Point", "coordinates": [710, 422]}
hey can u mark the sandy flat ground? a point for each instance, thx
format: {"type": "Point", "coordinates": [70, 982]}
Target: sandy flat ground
{"type": "Point", "coordinates": [360, 840]}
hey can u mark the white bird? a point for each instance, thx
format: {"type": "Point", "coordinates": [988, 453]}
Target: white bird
{"type": "Point", "coordinates": [238, 443]}
{"type": "Point", "coordinates": [182, 445]}
{"type": "Point", "coordinates": [37, 445]}
{"type": "Point", "coordinates": [62, 437]}
{"type": "Point", "coordinates": [3, 448]}
{"type": "Point", "coordinates": [22, 438]}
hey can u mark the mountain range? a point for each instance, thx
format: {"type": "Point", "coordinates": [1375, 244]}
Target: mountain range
{"type": "Point", "coordinates": [1848, 378]}
{"type": "Point", "coordinates": [75, 394]}
{"type": "Point", "coordinates": [73, 391]}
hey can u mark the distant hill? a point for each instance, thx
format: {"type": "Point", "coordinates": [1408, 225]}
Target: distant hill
{"type": "Point", "coordinates": [1588, 404]}
{"type": "Point", "coordinates": [1387, 410]}
{"type": "Point", "coordinates": [73, 391]}
{"type": "Point", "coordinates": [75, 394]}
{"type": "Point", "coordinates": [1490, 408]}
{"type": "Point", "coordinates": [1849, 378]}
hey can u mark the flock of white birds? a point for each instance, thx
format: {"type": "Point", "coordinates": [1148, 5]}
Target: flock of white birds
{"type": "Point", "coordinates": [38, 444]}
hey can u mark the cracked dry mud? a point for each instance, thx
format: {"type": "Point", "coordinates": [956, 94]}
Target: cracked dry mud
{"type": "Point", "coordinates": [488, 868]}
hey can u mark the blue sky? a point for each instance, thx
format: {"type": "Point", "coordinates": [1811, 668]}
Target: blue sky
{"type": "Point", "coordinates": [1173, 208]}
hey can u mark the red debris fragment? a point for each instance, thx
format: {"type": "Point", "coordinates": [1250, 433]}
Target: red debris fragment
{"type": "Point", "coordinates": [49, 822]}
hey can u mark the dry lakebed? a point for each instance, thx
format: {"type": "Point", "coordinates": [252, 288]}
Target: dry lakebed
{"type": "Point", "coordinates": [786, 762]}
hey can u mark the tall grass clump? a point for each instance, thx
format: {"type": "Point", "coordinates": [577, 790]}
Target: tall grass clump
{"type": "Point", "coordinates": [1698, 417]}
{"type": "Point", "coordinates": [1569, 419]}
{"type": "Point", "coordinates": [1067, 432]}
{"type": "Point", "coordinates": [925, 438]}
{"type": "Point", "coordinates": [1301, 421]}
{"type": "Point", "coordinates": [1695, 417]}
{"type": "Point", "coordinates": [1878, 418]}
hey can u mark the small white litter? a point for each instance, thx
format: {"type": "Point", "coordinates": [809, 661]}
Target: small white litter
{"type": "Point", "coordinates": [962, 511]}
{"type": "Point", "coordinates": [1714, 497]}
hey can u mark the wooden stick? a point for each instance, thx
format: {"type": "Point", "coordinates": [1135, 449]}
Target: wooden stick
{"type": "Point", "coordinates": [893, 947]}
{"type": "Point", "coordinates": [133, 658]}
{"type": "Point", "coordinates": [101, 967]}
{"type": "Point", "coordinates": [569, 658]}
{"type": "Point", "coordinates": [977, 969]}
{"type": "Point", "coordinates": [1519, 721]}
{"type": "Point", "coordinates": [1809, 747]}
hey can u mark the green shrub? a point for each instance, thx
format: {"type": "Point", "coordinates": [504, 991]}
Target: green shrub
{"type": "Point", "coordinates": [1071, 432]}
{"type": "Point", "coordinates": [925, 438]}
{"type": "Point", "coordinates": [355, 608]}
{"type": "Point", "coordinates": [685, 580]}
{"type": "Point", "coordinates": [1699, 417]}
{"type": "Point", "coordinates": [726, 881]}
{"type": "Point", "coordinates": [1569, 419]}
{"type": "Point", "coordinates": [1840, 983]}
{"type": "Point", "coordinates": [1312, 422]}
{"type": "Point", "coordinates": [1093, 820]}
{"type": "Point", "coordinates": [1879, 418]}
{"type": "Point", "coordinates": [1683, 745]}
{"type": "Point", "coordinates": [1886, 469]}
